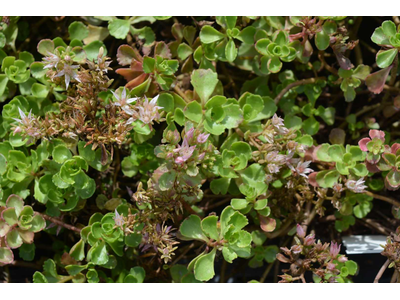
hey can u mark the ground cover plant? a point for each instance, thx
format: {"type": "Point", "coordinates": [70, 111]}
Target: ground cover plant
{"type": "Point", "coordinates": [197, 149]}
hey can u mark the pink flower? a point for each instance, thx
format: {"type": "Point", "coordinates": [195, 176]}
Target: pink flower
{"type": "Point", "coordinates": [278, 124]}
{"type": "Point", "coordinates": [373, 133]}
{"type": "Point", "coordinates": [300, 231]}
{"type": "Point", "coordinates": [309, 240]}
{"type": "Point", "coordinates": [356, 186]}
{"type": "Point", "coordinates": [337, 187]}
{"type": "Point", "coordinates": [25, 120]}
{"type": "Point", "coordinates": [302, 168]}
{"type": "Point", "coordinates": [69, 73]}
{"type": "Point", "coordinates": [122, 100]}
{"type": "Point", "coordinates": [202, 138]}
{"type": "Point", "coordinates": [334, 250]}
{"type": "Point", "coordinates": [119, 220]}
{"type": "Point", "coordinates": [51, 60]}
{"type": "Point", "coordinates": [190, 133]}
{"type": "Point", "coordinates": [185, 151]}
{"type": "Point", "coordinates": [331, 266]}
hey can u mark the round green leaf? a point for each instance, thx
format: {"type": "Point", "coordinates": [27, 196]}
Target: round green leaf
{"type": "Point", "coordinates": [78, 30]}
{"type": "Point", "coordinates": [119, 28]}
{"type": "Point", "coordinates": [210, 35]}
{"type": "Point", "coordinates": [204, 266]}
{"type": "Point", "coordinates": [385, 58]}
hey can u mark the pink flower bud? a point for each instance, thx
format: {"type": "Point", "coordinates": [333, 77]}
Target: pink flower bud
{"type": "Point", "coordinates": [202, 138]}
{"type": "Point", "coordinates": [331, 266]}
{"type": "Point", "coordinates": [201, 156]}
{"type": "Point", "coordinates": [300, 231]}
{"type": "Point", "coordinates": [334, 250]}
{"type": "Point", "coordinates": [342, 259]}
{"type": "Point", "coordinates": [189, 134]}
{"type": "Point", "coordinates": [309, 240]}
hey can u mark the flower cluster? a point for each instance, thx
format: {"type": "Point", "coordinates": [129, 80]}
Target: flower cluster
{"type": "Point", "coordinates": [307, 255]}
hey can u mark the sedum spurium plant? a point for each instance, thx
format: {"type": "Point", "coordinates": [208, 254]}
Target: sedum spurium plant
{"type": "Point", "coordinates": [166, 149]}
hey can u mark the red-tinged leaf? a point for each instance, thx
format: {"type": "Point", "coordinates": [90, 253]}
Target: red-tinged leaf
{"type": "Point", "coordinates": [371, 167]}
{"type": "Point", "coordinates": [376, 81]}
{"type": "Point", "coordinates": [343, 61]}
{"type": "Point", "coordinates": [126, 54]}
{"type": "Point", "coordinates": [395, 147]}
{"type": "Point", "coordinates": [27, 236]}
{"type": "Point", "coordinates": [311, 154]}
{"type": "Point", "coordinates": [267, 224]}
{"type": "Point", "coordinates": [379, 134]}
{"type": "Point", "coordinates": [312, 179]}
{"type": "Point", "coordinates": [363, 144]}
{"type": "Point", "coordinates": [137, 81]}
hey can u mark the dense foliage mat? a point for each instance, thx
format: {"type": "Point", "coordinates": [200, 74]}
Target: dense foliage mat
{"type": "Point", "coordinates": [193, 149]}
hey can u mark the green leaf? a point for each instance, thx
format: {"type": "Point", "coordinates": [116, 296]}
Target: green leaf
{"type": "Point", "coordinates": [220, 185]}
{"type": "Point", "coordinates": [311, 126]}
{"type": "Point", "coordinates": [92, 276]}
{"type": "Point", "coordinates": [204, 266]}
{"type": "Point", "coordinates": [16, 202]}
{"type": "Point", "coordinates": [98, 254]}
{"type": "Point", "coordinates": [191, 228]}
{"type": "Point", "coordinates": [385, 58]}
{"type": "Point", "coordinates": [133, 240]}
{"type": "Point", "coordinates": [204, 83]}
{"type": "Point", "coordinates": [242, 148]}
{"type": "Point", "coordinates": [45, 46]}
{"type": "Point", "coordinates": [230, 51]}
{"type": "Point", "coordinates": [10, 216]}
{"type": "Point", "coordinates": [6, 255]}
{"type": "Point", "coordinates": [351, 267]}
{"type": "Point", "coordinates": [274, 64]}
{"type": "Point", "coordinates": [92, 50]}
{"type": "Point", "coordinates": [166, 101]}
{"type": "Point", "coordinates": [119, 28]}
{"type": "Point", "coordinates": [27, 252]}
{"type": "Point", "coordinates": [184, 50]}
{"type": "Point", "coordinates": [229, 254]}
{"type": "Point", "coordinates": [166, 181]}
{"type": "Point", "coordinates": [61, 153]}
{"type": "Point", "coordinates": [138, 273]}
{"type": "Point", "coordinates": [362, 209]}
{"type": "Point", "coordinates": [322, 40]}
{"type": "Point", "coordinates": [261, 46]}
{"type": "Point", "coordinates": [77, 30]}
{"type": "Point", "coordinates": [260, 204]}
{"type": "Point", "coordinates": [209, 227]}
{"type": "Point", "coordinates": [149, 64]}
{"type": "Point", "coordinates": [389, 28]}
{"type": "Point", "coordinates": [239, 204]}
{"type": "Point", "coordinates": [194, 112]}
{"type": "Point", "coordinates": [379, 37]}
{"type": "Point", "coordinates": [38, 223]}
{"type": "Point", "coordinates": [39, 278]}
{"type": "Point", "coordinates": [14, 239]}
{"type": "Point", "coordinates": [78, 250]}
{"type": "Point", "coordinates": [40, 90]}
{"type": "Point", "coordinates": [270, 253]}
{"type": "Point", "coordinates": [210, 35]}
{"type": "Point", "coordinates": [75, 269]}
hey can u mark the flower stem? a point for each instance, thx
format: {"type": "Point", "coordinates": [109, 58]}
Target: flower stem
{"type": "Point", "coordinates": [294, 84]}
{"type": "Point", "coordinates": [60, 223]}
{"type": "Point", "coordinates": [381, 271]}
